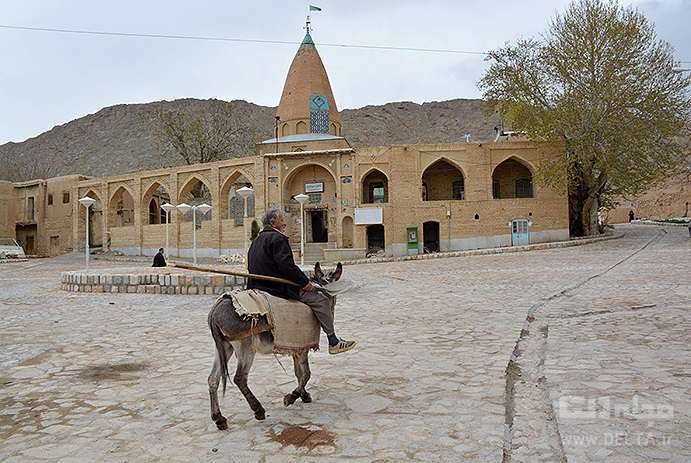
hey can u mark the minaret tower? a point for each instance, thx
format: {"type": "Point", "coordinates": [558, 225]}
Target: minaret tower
{"type": "Point", "coordinates": [307, 102]}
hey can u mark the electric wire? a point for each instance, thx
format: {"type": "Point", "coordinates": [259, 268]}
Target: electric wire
{"type": "Point", "coordinates": [233, 39]}
{"type": "Point", "coordinates": [238, 40]}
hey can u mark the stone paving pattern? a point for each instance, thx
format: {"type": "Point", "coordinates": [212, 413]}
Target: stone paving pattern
{"type": "Point", "coordinates": [122, 377]}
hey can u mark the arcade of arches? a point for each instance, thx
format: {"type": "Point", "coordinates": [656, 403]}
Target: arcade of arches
{"type": "Point", "coordinates": [453, 196]}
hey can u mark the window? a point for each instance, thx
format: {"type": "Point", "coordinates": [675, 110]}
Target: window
{"type": "Point", "coordinates": [65, 197]}
{"type": "Point", "coordinates": [457, 188]}
{"type": "Point", "coordinates": [30, 208]}
{"type": "Point", "coordinates": [524, 188]}
{"type": "Point", "coordinates": [50, 199]}
{"type": "Point", "coordinates": [496, 190]}
{"type": "Point", "coordinates": [378, 192]}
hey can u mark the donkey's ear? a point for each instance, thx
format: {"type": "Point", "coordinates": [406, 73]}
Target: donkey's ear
{"type": "Point", "coordinates": [318, 271]}
{"type": "Point", "coordinates": [338, 272]}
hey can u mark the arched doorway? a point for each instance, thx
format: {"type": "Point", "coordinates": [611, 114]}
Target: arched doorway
{"type": "Point", "coordinates": [121, 209]}
{"type": "Point", "coordinates": [347, 227]}
{"type": "Point", "coordinates": [321, 208]}
{"type": "Point", "coordinates": [232, 205]}
{"type": "Point", "coordinates": [95, 220]}
{"type": "Point", "coordinates": [442, 181]}
{"type": "Point", "coordinates": [430, 235]}
{"type": "Point", "coordinates": [194, 193]}
{"type": "Point", "coordinates": [375, 239]}
{"type": "Point", "coordinates": [512, 179]}
{"type": "Point", "coordinates": [375, 187]}
{"type": "Point", "coordinates": [156, 195]}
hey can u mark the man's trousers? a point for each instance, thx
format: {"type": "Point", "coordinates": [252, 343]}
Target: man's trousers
{"type": "Point", "coordinates": [321, 306]}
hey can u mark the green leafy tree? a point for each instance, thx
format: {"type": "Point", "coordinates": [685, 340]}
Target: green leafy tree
{"type": "Point", "coordinates": [601, 81]}
{"type": "Point", "coordinates": [255, 230]}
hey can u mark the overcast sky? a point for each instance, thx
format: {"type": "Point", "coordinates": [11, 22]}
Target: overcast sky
{"type": "Point", "coordinates": [47, 79]}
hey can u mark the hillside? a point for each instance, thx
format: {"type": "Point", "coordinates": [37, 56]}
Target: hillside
{"type": "Point", "coordinates": [122, 138]}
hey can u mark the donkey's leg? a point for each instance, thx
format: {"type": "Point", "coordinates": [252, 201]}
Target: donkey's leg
{"type": "Point", "coordinates": [214, 379]}
{"type": "Point", "coordinates": [245, 355]}
{"type": "Point", "coordinates": [302, 373]}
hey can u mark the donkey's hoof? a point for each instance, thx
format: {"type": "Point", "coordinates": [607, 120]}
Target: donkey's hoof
{"type": "Point", "coordinates": [260, 415]}
{"type": "Point", "coordinates": [306, 397]}
{"type": "Point", "coordinates": [222, 424]}
{"type": "Point", "coordinates": [290, 399]}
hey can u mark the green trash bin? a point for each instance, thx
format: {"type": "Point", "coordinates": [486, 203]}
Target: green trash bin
{"type": "Point", "coordinates": [411, 236]}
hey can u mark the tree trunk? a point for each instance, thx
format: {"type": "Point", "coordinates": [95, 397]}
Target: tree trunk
{"type": "Point", "coordinates": [589, 215]}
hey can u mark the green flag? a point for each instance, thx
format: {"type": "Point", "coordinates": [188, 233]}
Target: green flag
{"type": "Point", "coordinates": [314, 8]}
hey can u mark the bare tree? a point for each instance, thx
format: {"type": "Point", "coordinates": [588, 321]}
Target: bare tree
{"type": "Point", "coordinates": [199, 137]}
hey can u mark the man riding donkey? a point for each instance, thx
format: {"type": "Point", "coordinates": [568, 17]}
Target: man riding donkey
{"type": "Point", "coordinates": [270, 255]}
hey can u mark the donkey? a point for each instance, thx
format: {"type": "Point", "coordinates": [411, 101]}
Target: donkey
{"type": "Point", "coordinates": [225, 324]}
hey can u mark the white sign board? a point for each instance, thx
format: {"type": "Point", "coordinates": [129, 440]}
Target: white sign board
{"type": "Point", "coordinates": [317, 187]}
{"type": "Point", "coordinates": [368, 215]}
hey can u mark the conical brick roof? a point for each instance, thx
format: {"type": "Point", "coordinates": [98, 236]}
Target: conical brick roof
{"type": "Point", "coordinates": [306, 80]}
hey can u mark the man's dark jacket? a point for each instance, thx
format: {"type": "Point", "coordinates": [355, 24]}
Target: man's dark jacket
{"type": "Point", "coordinates": [159, 260]}
{"type": "Point", "coordinates": [270, 254]}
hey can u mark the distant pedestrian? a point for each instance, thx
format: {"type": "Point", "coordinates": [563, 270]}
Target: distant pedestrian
{"type": "Point", "coordinates": [631, 216]}
{"type": "Point", "coordinates": [159, 260]}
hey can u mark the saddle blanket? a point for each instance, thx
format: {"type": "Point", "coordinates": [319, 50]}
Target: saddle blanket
{"type": "Point", "coordinates": [293, 324]}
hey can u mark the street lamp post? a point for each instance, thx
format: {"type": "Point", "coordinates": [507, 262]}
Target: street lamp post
{"type": "Point", "coordinates": [245, 192]}
{"type": "Point", "coordinates": [87, 202]}
{"type": "Point", "coordinates": [168, 208]}
{"type": "Point", "coordinates": [302, 199]}
{"type": "Point", "coordinates": [203, 208]}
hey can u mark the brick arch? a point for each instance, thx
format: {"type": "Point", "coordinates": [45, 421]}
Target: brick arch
{"type": "Point", "coordinates": [296, 169]}
{"type": "Point", "coordinates": [448, 161]}
{"type": "Point", "coordinates": [121, 215]}
{"type": "Point", "coordinates": [147, 215]}
{"type": "Point", "coordinates": [367, 187]}
{"type": "Point", "coordinates": [96, 218]}
{"type": "Point", "coordinates": [225, 200]}
{"type": "Point", "coordinates": [528, 165]}
{"type": "Point", "coordinates": [187, 188]}
{"type": "Point", "coordinates": [442, 186]}
{"type": "Point", "coordinates": [512, 178]}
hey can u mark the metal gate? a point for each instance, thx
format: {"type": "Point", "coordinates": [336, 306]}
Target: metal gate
{"type": "Point", "coordinates": [520, 232]}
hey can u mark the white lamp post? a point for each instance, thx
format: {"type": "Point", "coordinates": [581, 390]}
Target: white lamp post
{"type": "Point", "coordinates": [302, 199]}
{"type": "Point", "coordinates": [87, 202]}
{"type": "Point", "coordinates": [203, 208]}
{"type": "Point", "coordinates": [245, 192]}
{"type": "Point", "coordinates": [168, 208]}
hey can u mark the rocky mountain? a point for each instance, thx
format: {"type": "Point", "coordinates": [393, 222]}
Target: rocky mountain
{"type": "Point", "coordinates": [124, 138]}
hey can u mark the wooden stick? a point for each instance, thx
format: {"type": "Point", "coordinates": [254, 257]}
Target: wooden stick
{"type": "Point", "coordinates": [234, 273]}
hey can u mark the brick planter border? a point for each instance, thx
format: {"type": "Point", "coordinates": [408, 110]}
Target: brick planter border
{"type": "Point", "coordinates": [153, 283]}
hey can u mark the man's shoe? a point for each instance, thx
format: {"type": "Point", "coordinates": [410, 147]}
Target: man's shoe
{"type": "Point", "coordinates": [342, 346]}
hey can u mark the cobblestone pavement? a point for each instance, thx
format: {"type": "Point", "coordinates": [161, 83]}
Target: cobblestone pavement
{"type": "Point", "coordinates": [477, 358]}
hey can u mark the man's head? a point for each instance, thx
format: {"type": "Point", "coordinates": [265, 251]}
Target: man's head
{"type": "Point", "coordinates": [160, 250]}
{"type": "Point", "coordinates": [274, 218]}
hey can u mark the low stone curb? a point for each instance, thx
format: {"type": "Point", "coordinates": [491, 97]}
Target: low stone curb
{"type": "Point", "coordinates": [150, 283]}
{"type": "Point", "coordinates": [659, 224]}
{"type": "Point", "coordinates": [11, 261]}
{"type": "Point", "coordinates": [487, 251]}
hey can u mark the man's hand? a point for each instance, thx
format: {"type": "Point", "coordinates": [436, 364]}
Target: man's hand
{"type": "Point", "coordinates": [309, 288]}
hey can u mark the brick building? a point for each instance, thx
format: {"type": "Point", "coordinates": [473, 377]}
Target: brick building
{"type": "Point", "coordinates": [397, 199]}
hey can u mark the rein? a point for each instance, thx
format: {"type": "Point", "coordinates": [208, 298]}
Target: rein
{"type": "Point", "coordinates": [235, 273]}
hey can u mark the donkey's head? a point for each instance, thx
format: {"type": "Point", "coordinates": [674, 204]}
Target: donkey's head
{"type": "Point", "coordinates": [330, 276]}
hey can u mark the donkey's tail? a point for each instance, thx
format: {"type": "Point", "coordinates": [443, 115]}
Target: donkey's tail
{"type": "Point", "coordinates": [220, 349]}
